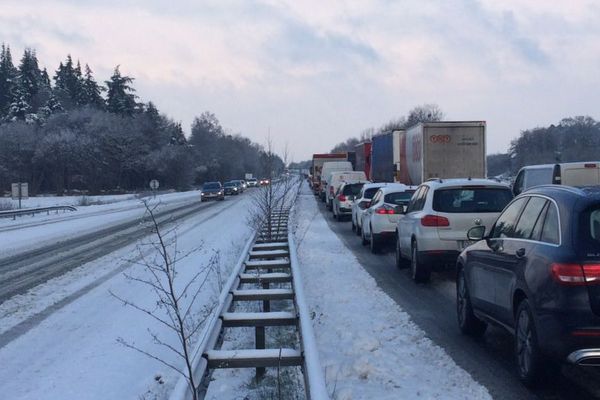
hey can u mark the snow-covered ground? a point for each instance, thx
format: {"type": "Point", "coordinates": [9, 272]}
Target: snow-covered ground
{"type": "Point", "coordinates": [68, 327]}
{"type": "Point", "coordinates": [48, 201]}
{"type": "Point", "coordinates": [28, 232]}
{"type": "Point", "coordinates": [369, 347]}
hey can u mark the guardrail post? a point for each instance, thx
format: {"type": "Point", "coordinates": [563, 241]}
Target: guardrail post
{"type": "Point", "coordinates": [260, 344]}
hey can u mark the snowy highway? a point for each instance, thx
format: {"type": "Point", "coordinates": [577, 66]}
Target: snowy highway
{"type": "Point", "coordinates": [60, 324]}
{"type": "Point", "coordinates": [432, 307]}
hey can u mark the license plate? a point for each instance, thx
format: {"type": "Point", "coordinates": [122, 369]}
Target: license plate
{"type": "Point", "coordinates": [463, 244]}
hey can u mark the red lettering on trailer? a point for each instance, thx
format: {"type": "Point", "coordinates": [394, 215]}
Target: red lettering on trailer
{"type": "Point", "coordinates": [439, 138]}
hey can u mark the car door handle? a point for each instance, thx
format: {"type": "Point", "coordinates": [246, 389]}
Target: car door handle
{"type": "Point", "coordinates": [520, 253]}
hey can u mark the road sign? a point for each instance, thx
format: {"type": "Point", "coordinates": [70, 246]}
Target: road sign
{"type": "Point", "coordinates": [154, 184]}
{"type": "Point", "coordinates": [20, 191]}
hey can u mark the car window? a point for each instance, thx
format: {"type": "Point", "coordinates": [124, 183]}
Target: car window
{"type": "Point", "coordinates": [529, 217]}
{"type": "Point", "coordinates": [505, 225]}
{"type": "Point", "coordinates": [376, 198]}
{"type": "Point", "coordinates": [417, 200]}
{"type": "Point", "coordinates": [422, 198]}
{"type": "Point", "coordinates": [539, 225]}
{"type": "Point", "coordinates": [212, 185]}
{"type": "Point", "coordinates": [538, 176]}
{"type": "Point", "coordinates": [413, 200]}
{"type": "Point", "coordinates": [550, 232]}
{"type": "Point", "coordinates": [398, 198]}
{"type": "Point", "coordinates": [471, 200]}
{"type": "Point", "coordinates": [518, 185]}
{"type": "Point", "coordinates": [588, 233]}
{"type": "Point", "coordinates": [370, 192]}
{"type": "Point", "coordinates": [352, 189]}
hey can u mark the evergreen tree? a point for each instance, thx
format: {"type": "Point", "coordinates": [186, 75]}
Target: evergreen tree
{"type": "Point", "coordinates": [91, 90]}
{"type": "Point", "coordinates": [19, 108]}
{"type": "Point", "coordinates": [8, 80]}
{"type": "Point", "coordinates": [69, 85]}
{"type": "Point", "coordinates": [120, 98]}
{"type": "Point", "coordinates": [31, 81]}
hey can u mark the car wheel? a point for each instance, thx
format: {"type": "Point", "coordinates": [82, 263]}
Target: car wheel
{"type": "Point", "coordinates": [468, 323]}
{"type": "Point", "coordinates": [532, 366]}
{"type": "Point", "coordinates": [420, 271]}
{"type": "Point", "coordinates": [374, 242]}
{"type": "Point", "coordinates": [401, 263]}
{"type": "Point", "coordinates": [364, 239]}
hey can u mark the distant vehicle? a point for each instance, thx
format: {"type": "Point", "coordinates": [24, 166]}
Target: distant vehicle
{"type": "Point", "coordinates": [382, 157]}
{"type": "Point", "coordinates": [585, 173]}
{"type": "Point", "coordinates": [335, 179]}
{"type": "Point", "coordinates": [244, 184]}
{"type": "Point", "coordinates": [232, 188]}
{"type": "Point", "coordinates": [252, 182]}
{"type": "Point", "coordinates": [212, 190]}
{"type": "Point", "coordinates": [344, 198]}
{"type": "Point", "coordinates": [362, 202]}
{"type": "Point", "coordinates": [329, 168]}
{"type": "Point", "coordinates": [385, 209]}
{"type": "Point", "coordinates": [536, 272]}
{"type": "Point", "coordinates": [363, 158]}
{"type": "Point", "coordinates": [265, 181]}
{"type": "Point", "coordinates": [434, 228]}
{"type": "Point", "coordinates": [240, 184]}
{"type": "Point", "coordinates": [317, 165]}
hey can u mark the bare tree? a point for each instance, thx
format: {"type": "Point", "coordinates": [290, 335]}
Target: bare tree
{"type": "Point", "coordinates": [176, 307]}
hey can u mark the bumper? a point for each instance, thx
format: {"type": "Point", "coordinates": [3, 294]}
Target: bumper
{"type": "Point", "coordinates": [382, 225]}
{"type": "Point", "coordinates": [438, 257]}
{"type": "Point", "coordinates": [585, 357]}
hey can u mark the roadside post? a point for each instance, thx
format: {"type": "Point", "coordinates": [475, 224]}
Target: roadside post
{"type": "Point", "coordinates": [154, 185]}
{"type": "Point", "coordinates": [20, 191]}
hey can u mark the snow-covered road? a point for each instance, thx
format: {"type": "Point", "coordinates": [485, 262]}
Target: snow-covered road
{"type": "Point", "coordinates": [66, 346]}
{"type": "Point", "coordinates": [370, 348]}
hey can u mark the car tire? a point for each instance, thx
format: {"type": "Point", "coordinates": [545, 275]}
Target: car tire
{"type": "Point", "coordinates": [468, 323]}
{"type": "Point", "coordinates": [401, 263]}
{"type": "Point", "coordinates": [374, 242]}
{"type": "Point", "coordinates": [420, 271]}
{"type": "Point", "coordinates": [364, 240]}
{"type": "Point", "coordinates": [532, 367]}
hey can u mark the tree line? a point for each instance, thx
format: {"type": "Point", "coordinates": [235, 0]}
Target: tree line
{"type": "Point", "coordinates": [69, 133]}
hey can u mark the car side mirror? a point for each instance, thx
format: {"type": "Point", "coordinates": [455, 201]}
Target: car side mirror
{"type": "Point", "coordinates": [476, 233]}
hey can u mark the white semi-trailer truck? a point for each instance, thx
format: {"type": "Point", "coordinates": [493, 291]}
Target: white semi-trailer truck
{"type": "Point", "coordinates": [447, 149]}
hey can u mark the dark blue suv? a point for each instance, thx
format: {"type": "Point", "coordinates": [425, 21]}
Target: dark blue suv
{"type": "Point", "coordinates": [536, 272]}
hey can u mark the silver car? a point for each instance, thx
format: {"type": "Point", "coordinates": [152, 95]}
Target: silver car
{"type": "Point", "coordinates": [344, 199]}
{"type": "Point", "coordinates": [434, 228]}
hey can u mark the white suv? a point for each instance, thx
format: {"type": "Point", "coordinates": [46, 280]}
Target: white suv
{"type": "Point", "coordinates": [344, 199]}
{"type": "Point", "coordinates": [434, 228]}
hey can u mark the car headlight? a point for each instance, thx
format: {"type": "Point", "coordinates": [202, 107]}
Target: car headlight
{"type": "Point", "coordinates": [202, 194]}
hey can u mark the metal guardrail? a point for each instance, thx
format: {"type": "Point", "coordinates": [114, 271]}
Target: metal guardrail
{"type": "Point", "coordinates": [33, 211]}
{"type": "Point", "coordinates": [259, 252]}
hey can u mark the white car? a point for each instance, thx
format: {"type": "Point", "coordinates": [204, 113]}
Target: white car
{"type": "Point", "coordinates": [434, 228]}
{"type": "Point", "coordinates": [252, 182]}
{"type": "Point", "coordinates": [335, 181]}
{"type": "Point", "coordinates": [380, 219]}
{"type": "Point", "coordinates": [361, 203]}
{"type": "Point", "coordinates": [344, 199]}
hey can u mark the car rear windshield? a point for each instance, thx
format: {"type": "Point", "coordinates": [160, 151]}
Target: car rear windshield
{"type": "Point", "coordinates": [211, 185]}
{"type": "Point", "coordinates": [471, 200]}
{"type": "Point", "coordinates": [589, 232]}
{"type": "Point", "coordinates": [398, 198]}
{"type": "Point", "coordinates": [369, 193]}
{"type": "Point", "coordinates": [352, 189]}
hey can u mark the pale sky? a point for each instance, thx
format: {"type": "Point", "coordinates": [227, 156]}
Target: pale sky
{"type": "Point", "coordinates": [317, 72]}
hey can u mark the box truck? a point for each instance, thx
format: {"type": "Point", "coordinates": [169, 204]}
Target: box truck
{"type": "Point", "coordinates": [363, 158]}
{"type": "Point", "coordinates": [383, 168]}
{"type": "Point", "coordinates": [446, 149]}
{"type": "Point", "coordinates": [317, 165]}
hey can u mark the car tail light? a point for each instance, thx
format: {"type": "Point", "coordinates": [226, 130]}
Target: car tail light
{"type": "Point", "coordinates": [341, 197]}
{"type": "Point", "coordinates": [385, 210]}
{"type": "Point", "coordinates": [576, 274]}
{"type": "Point", "coordinates": [434, 220]}
{"type": "Point", "coordinates": [589, 165]}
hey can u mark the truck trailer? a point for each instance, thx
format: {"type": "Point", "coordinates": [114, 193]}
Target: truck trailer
{"type": "Point", "coordinates": [446, 149]}
{"type": "Point", "coordinates": [317, 165]}
{"type": "Point", "coordinates": [363, 158]}
{"type": "Point", "coordinates": [383, 168]}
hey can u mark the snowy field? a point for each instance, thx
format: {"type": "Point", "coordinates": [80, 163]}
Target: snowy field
{"type": "Point", "coordinates": [369, 347]}
{"type": "Point", "coordinates": [67, 346]}
{"type": "Point", "coordinates": [28, 232]}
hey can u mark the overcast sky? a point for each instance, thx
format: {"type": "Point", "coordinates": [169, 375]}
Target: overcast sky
{"type": "Point", "coordinates": [317, 72]}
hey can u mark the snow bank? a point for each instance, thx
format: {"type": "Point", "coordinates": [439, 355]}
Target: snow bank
{"type": "Point", "coordinates": [369, 347]}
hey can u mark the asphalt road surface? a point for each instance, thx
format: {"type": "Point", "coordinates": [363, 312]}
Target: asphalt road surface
{"type": "Point", "coordinates": [432, 306]}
